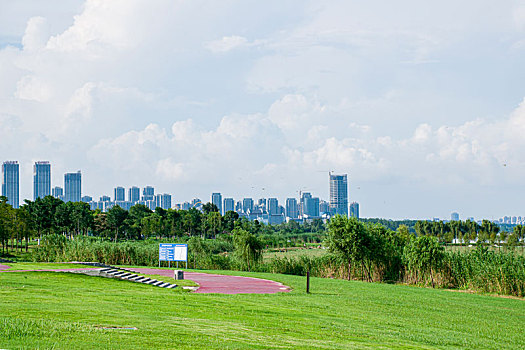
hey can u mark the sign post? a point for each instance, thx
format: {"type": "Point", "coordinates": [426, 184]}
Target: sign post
{"type": "Point", "coordinates": [173, 252]}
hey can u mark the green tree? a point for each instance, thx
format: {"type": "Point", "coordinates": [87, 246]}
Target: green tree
{"type": "Point", "coordinates": [192, 221]}
{"type": "Point", "coordinates": [209, 208]}
{"type": "Point", "coordinates": [116, 220]}
{"type": "Point", "coordinates": [404, 233]}
{"type": "Point", "coordinates": [197, 248]}
{"type": "Point", "coordinates": [213, 223]}
{"type": "Point", "coordinates": [247, 248]}
{"type": "Point", "coordinates": [82, 217]}
{"type": "Point", "coordinates": [6, 222]}
{"type": "Point", "coordinates": [348, 238]}
{"type": "Point", "coordinates": [136, 214]}
{"type": "Point", "coordinates": [229, 220]}
{"type": "Point", "coordinates": [25, 227]}
{"type": "Point", "coordinates": [424, 254]}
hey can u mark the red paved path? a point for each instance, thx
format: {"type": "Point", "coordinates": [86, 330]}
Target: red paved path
{"type": "Point", "coordinates": [223, 284]}
{"type": "Point", "coordinates": [209, 283]}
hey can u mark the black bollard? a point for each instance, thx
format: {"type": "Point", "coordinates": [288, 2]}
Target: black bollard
{"type": "Point", "coordinates": [308, 281]}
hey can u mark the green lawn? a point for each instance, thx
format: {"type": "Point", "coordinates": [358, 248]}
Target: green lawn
{"type": "Point", "coordinates": [43, 266]}
{"type": "Point", "coordinates": [66, 311]}
{"type": "Point", "coordinates": [294, 253]}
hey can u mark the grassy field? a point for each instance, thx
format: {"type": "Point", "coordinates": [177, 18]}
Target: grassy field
{"type": "Point", "coordinates": [292, 253]}
{"type": "Point", "coordinates": [68, 311]}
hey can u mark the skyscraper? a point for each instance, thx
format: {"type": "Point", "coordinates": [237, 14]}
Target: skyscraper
{"type": "Point", "coordinates": [324, 207]}
{"type": "Point", "coordinates": [354, 210]}
{"type": "Point", "coordinates": [303, 210]}
{"type": "Point", "coordinates": [165, 201]}
{"type": "Point", "coordinates": [273, 206]}
{"type": "Point", "coordinates": [247, 205]}
{"type": "Point", "coordinates": [216, 198]}
{"type": "Point", "coordinates": [41, 180]}
{"type": "Point", "coordinates": [229, 205]}
{"type": "Point", "coordinates": [339, 194]}
{"type": "Point", "coordinates": [454, 216]}
{"type": "Point", "coordinates": [134, 194]}
{"type": "Point", "coordinates": [73, 187]}
{"type": "Point", "coordinates": [291, 208]}
{"type": "Point", "coordinates": [148, 193]}
{"type": "Point", "coordinates": [10, 182]}
{"type": "Point", "coordinates": [58, 192]}
{"type": "Point", "coordinates": [311, 207]}
{"type": "Point", "coordinates": [119, 194]}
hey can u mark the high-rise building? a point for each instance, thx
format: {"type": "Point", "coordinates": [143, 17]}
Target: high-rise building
{"type": "Point", "coordinates": [339, 194]}
{"type": "Point", "coordinates": [196, 203]}
{"type": "Point", "coordinates": [262, 203]}
{"type": "Point", "coordinates": [324, 207]}
{"type": "Point", "coordinates": [58, 192]}
{"type": "Point", "coordinates": [86, 199]}
{"type": "Point", "coordinates": [454, 216]}
{"type": "Point", "coordinates": [119, 194]}
{"type": "Point", "coordinates": [354, 210]}
{"type": "Point", "coordinates": [134, 194]}
{"type": "Point", "coordinates": [73, 187]}
{"type": "Point", "coordinates": [41, 180]}
{"type": "Point", "coordinates": [10, 182]}
{"type": "Point", "coordinates": [148, 193]}
{"type": "Point", "coordinates": [291, 208]}
{"type": "Point", "coordinates": [302, 205]}
{"type": "Point", "coordinates": [273, 206]}
{"type": "Point", "coordinates": [311, 207]}
{"type": "Point", "coordinates": [165, 201]}
{"type": "Point", "coordinates": [105, 198]}
{"type": "Point", "coordinates": [216, 198]}
{"type": "Point", "coordinates": [229, 205]}
{"type": "Point", "coordinates": [247, 205]}
{"type": "Point", "coordinates": [238, 207]}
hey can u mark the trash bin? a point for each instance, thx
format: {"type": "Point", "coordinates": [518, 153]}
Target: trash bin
{"type": "Point", "coordinates": [178, 274]}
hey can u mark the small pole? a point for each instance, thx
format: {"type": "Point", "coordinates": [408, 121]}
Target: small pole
{"type": "Point", "coordinates": [308, 281]}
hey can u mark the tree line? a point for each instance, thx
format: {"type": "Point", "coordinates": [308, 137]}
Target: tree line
{"type": "Point", "coordinates": [50, 215]}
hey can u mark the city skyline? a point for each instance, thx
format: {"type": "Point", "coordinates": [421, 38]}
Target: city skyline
{"type": "Point", "coordinates": [290, 208]}
{"type": "Point", "coordinates": [421, 104]}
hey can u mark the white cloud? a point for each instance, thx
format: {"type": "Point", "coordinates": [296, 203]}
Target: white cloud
{"type": "Point", "coordinates": [34, 89]}
{"type": "Point", "coordinates": [36, 35]}
{"type": "Point", "coordinates": [227, 43]}
{"type": "Point", "coordinates": [129, 92]}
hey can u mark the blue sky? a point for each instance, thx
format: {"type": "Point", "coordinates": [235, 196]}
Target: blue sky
{"type": "Point", "coordinates": [421, 104]}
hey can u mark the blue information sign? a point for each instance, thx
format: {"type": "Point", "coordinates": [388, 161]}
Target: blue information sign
{"type": "Point", "coordinates": [173, 252]}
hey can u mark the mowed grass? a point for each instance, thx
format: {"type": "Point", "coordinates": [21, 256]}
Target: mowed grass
{"type": "Point", "coordinates": [44, 266]}
{"type": "Point", "coordinates": [294, 253]}
{"type": "Point", "coordinates": [67, 311]}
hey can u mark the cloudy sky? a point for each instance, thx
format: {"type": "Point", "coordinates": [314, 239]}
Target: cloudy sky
{"type": "Point", "coordinates": [423, 105]}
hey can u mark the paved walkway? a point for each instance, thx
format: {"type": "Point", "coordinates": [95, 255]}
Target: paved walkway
{"type": "Point", "coordinates": [209, 283]}
{"type": "Point", "coordinates": [222, 284]}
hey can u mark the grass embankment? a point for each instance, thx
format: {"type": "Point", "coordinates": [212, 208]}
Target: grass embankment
{"type": "Point", "coordinates": [52, 266]}
{"type": "Point", "coordinates": [57, 310]}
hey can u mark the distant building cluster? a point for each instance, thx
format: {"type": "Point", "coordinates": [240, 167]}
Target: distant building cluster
{"type": "Point", "coordinates": [506, 220]}
{"type": "Point", "coordinates": [270, 211]}
{"type": "Point", "coordinates": [512, 220]}
{"type": "Point", "coordinates": [267, 210]}
{"type": "Point", "coordinates": [148, 198]}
